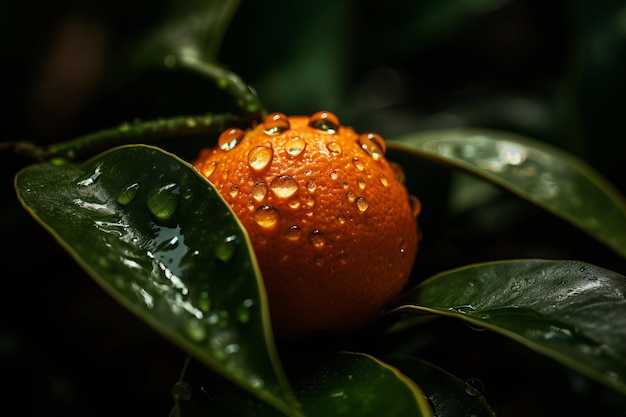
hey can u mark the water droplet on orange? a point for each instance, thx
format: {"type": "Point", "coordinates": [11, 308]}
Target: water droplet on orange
{"type": "Point", "coordinates": [325, 121]}
{"type": "Point", "coordinates": [208, 170]}
{"type": "Point", "coordinates": [294, 204]}
{"type": "Point", "coordinates": [293, 233]}
{"type": "Point", "coordinates": [416, 205]}
{"type": "Point", "coordinates": [276, 123]}
{"type": "Point", "coordinates": [317, 238]}
{"type": "Point", "coordinates": [310, 185]}
{"type": "Point", "coordinates": [361, 203]}
{"type": "Point", "coordinates": [266, 216]}
{"type": "Point", "coordinates": [334, 148]}
{"type": "Point", "coordinates": [334, 175]}
{"type": "Point", "coordinates": [341, 219]}
{"type": "Point", "coordinates": [310, 201]}
{"type": "Point", "coordinates": [342, 258]}
{"type": "Point", "coordinates": [358, 164]}
{"type": "Point", "coordinates": [230, 138]}
{"type": "Point", "coordinates": [398, 171]}
{"type": "Point", "coordinates": [284, 186]}
{"type": "Point", "coordinates": [350, 196]}
{"type": "Point", "coordinates": [361, 183]}
{"type": "Point", "coordinates": [259, 191]}
{"type": "Point", "coordinates": [373, 144]}
{"type": "Point", "coordinates": [260, 157]}
{"type": "Point", "coordinates": [383, 180]}
{"type": "Point", "coordinates": [234, 190]}
{"type": "Point", "coordinates": [295, 146]}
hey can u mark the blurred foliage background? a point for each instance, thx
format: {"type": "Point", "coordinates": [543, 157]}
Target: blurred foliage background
{"type": "Point", "coordinates": [551, 70]}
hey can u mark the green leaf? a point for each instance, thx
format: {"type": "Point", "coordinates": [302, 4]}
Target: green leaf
{"type": "Point", "coordinates": [157, 236]}
{"type": "Point", "coordinates": [192, 29]}
{"type": "Point", "coordinates": [356, 384]}
{"type": "Point", "coordinates": [546, 176]}
{"type": "Point", "coordinates": [344, 384]}
{"type": "Point", "coordinates": [570, 311]}
{"type": "Point", "coordinates": [450, 396]}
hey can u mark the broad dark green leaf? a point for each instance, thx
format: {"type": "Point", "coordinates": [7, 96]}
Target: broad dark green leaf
{"type": "Point", "coordinates": [546, 176]}
{"type": "Point", "coordinates": [450, 396]}
{"type": "Point", "coordinates": [345, 384]}
{"type": "Point", "coordinates": [159, 238]}
{"type": "Point", "coordinates": [191, 29]}
{"type": "Point", "coordinates": [571, 311]}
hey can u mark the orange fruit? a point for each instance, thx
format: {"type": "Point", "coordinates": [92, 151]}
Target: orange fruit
{"type": "Point", "coordinates": [332, 225]}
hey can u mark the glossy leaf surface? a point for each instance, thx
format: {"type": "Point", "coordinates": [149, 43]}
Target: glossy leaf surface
{"type": "Point", "coordinates": [158, 237]}
{"type": "Point", "coordinates": [345, 384]}
{"type": "Point", "coordinates": [571, 311]}
{"type": "Point", "coordinates": [449, 396]}
{"type": "Point", "coordinates": [546, 176]}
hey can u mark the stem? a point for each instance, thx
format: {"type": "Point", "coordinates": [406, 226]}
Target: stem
{"type": "Point", "coordinates": [246, 98]}
{"type": "Point", "coordinates": [126, 133]}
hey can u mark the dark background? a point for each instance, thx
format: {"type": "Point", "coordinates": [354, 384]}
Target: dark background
{"type": "Point", "coordinates": [553, 70]}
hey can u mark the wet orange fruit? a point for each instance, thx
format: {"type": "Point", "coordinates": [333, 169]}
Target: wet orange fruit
{"type": "Point", "coordinates": [333, 227]}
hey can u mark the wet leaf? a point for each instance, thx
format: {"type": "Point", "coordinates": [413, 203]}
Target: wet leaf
{"type": "Point", "coordinates": [449, 396]}
{"type": "Point", "coordinates": [157, 236]}
{"type": "Point", "coordinates": [345, 384]}
{"type": "Point", "coordinates": [570, 311]}
{"type": "Point", "coordinates": [546, 176]}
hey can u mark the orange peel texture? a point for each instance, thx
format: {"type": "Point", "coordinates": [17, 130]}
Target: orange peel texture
{"type": "Point", "coordinates": [331, 222]}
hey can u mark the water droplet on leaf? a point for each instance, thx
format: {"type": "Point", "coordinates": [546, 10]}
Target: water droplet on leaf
{"type": "Point", "coordinates": [128, 194]}
{"type": "Point", "coordinates": [226, 249]}
{"type": "Point", "coordinates": [163, 203]}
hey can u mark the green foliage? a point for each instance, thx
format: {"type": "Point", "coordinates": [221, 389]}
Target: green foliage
{"type": "Point", "coordinates": [162, 243]}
